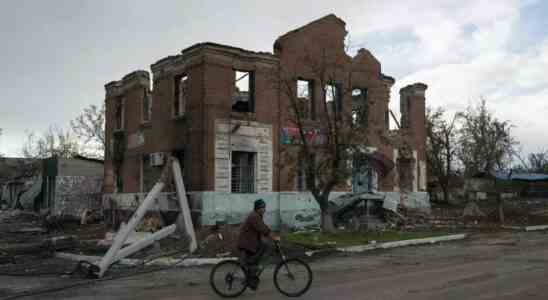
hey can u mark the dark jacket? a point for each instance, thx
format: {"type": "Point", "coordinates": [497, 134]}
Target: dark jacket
{"type": "Point", "coordinates": [251, 232]}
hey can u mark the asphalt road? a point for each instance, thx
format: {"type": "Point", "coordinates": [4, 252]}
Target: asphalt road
{"type": "Point", "coordinates": [487, 266]}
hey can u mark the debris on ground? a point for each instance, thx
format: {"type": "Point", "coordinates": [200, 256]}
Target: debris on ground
{"type": "Point", "coordinates": [472, 210]}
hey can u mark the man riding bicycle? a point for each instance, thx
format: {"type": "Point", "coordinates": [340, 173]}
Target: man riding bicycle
{"type": "Point", "coordinates": [250, 242]}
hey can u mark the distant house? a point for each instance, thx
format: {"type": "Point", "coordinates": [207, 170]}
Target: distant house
{"type": "Point", "coordinates": [71, 185]}
{"type": "Point", "coordinates": [64, 186]}
{"type": "Point", "coordinates": [482, 185]}
{"type": "Point", "coordinates": [16, 176]}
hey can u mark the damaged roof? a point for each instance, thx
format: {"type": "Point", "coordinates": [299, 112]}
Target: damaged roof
{"type": "Point", "coordinates": [522, 176]}
{"type": "Point", "coordinates": [331, 17]}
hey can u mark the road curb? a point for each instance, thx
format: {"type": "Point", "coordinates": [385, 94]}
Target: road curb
{"type": "Point", "coordinates": [163, 262]}
{"type": "Point", "coordinates": [527, 228]}
{"type": "Point", "coordinates": [389, 245]}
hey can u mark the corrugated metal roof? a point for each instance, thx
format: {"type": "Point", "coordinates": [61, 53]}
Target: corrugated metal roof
{"type": "Point", "coordinates": [522, 176]}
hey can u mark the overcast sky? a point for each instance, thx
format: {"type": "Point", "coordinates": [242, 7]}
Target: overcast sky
{"type": "Point", "coordinates": [56, 56]}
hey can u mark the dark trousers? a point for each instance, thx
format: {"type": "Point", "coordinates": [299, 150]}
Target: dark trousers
{"type": "Point", "coordinates": [250, 261]}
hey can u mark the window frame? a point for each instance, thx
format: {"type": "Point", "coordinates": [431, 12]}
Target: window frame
{"type": "Point", "coordinates": [251, 90]}
{"type": "Point", "coordinates": [236, 180]}
{"type": "Point", "coordinates": [146, 110]}
{"type": "Point", "coordinates": [337, 104]}
{"type": "Point", "coordinates": [180, 96]}
{"type": "Point", "coordinates": [364, 95]}
{"type": "Point", "coordinates": [311, 113]}
{"type": "Point", "coordinates": [119, 105]}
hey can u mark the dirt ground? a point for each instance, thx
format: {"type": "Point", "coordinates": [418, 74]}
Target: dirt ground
{"type": "Point", "coordinates": [502, 265]}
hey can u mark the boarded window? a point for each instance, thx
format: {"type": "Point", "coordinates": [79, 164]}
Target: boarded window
{"type": "Point", "coordinates": [180, 97]}
{"type": "Point", "coordinates": [305, 99]}
{"type": "Point", "coordinates": [360, 106]}
{"type": "Point", "coordinates": [147, 106]}
{"type": "Point", "coordinates": [243, 172]}
{"type": "Point", "coordinates": [243, 95]}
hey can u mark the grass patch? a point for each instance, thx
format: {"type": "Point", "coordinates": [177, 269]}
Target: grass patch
{"type": "Point", "coordinates": [318, 240]}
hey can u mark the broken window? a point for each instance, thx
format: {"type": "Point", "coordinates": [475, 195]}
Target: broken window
{"type": "Point", "coordinates": [119, 180]}
{"type": "Point", "coordinates": [243, 95]}
{"type": "Point", "coordinates": [181, 95]}
{"type": "Point", "coordinates": [147, 106]}
{"type": "Point", "coordinates": [364, 176]}
{"type": "Point", "coordinates": [119, 114]}
{"type": "Point", "coordinates": [305, 102]}
{"type": "Point", "coordinates": [243, 172]}
{"type": "Point", "coordinates": [359, 106]}
{"type": "Point", "coordinates": [150, 174]}
{"type": "Point", "coordinates": [333, 97]}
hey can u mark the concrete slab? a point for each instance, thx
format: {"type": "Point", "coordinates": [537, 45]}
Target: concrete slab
{"type": "Point", "coordinates": [388, 245]}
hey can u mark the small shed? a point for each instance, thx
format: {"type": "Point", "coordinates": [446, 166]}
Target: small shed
{"type": "Point", "coordinates": [70, 185]}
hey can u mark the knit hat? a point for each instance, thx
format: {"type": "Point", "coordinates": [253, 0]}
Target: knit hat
{"type": "Point", "coordinates": [259, 203]}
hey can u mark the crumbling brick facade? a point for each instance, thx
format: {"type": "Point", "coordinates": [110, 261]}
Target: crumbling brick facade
{"type": "Point", "coordinates": [215, 108]}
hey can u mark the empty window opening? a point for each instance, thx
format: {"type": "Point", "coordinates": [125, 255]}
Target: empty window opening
{"type": "Point", "coordinates": [360, 106]}
{"type": "Point", "coordinates": [181, 95]}
{"type": "Point", "coordinates": [147, 106]}
{"type": "Point", "coordinates": [305, 102]}
{"type": "Point", "coordinates": [243, 96]}
{"type": "Point", "coordinates": [333, 97]}
{"type": "Point", "coordinates": [119, 114]}
{"type": "Point", "coordinates": [243, 172]}
{"type": "Point", "coordinates": [119, 181]}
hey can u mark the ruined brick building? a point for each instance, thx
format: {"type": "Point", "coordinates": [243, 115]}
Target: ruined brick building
{"type": "Point", "coordinates": [213, 106]}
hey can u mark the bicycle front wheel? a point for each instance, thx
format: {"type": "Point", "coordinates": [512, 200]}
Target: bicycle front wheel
{"type": "Point", "coordinates": [228, 279]}
{"type": "Point", "coordinates": [292, 277]}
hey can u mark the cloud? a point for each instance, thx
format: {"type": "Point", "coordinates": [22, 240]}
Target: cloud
{"type": "Point", "coordinates": [464, 50]}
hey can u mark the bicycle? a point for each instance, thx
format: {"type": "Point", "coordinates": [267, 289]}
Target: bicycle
{"type": "Point", "coordinates": [229, 278]}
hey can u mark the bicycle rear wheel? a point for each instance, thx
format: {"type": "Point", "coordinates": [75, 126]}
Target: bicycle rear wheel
{"type": "Point", "coordinates": [292, 277]}
{"type": "Point", "coordinates": [228, 279]}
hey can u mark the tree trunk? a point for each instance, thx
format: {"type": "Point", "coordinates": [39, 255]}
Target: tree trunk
{"type": "Point", "coordinates": [327, 224]}
{"type": "Point", "coordinates": [501, 208]}
{"type": "Point", "coordinates": [445, 190]}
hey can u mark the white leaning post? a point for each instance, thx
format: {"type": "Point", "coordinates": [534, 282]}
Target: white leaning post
{"type": "Point", "coordinates": [124, 231]}
{"type": "Point", "coordinates": [183, 204]}
{"type": "Point", "coordinates": [116, 252]}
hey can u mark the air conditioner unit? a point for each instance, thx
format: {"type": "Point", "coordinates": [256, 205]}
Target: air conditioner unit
{"type": "Point", "coordinates": [156, 159]}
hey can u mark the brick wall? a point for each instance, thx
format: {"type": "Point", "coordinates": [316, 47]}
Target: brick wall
{"type": "Point", "coordinates": [210, 69]}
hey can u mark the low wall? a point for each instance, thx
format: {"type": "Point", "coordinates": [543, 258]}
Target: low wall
{"type": "Point", "coordinates": [292, 210]}
{"type": "Point", "coordinates": [74, 194]}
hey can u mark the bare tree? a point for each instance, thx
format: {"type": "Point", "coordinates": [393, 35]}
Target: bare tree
{"type": "Point", "coordinates": [538, 162]}
{"type": "Point", "coordinates": [326, 144]}
{"type": "Point", "coordinates": [89, 128]}
{"type": "Point", "coordinates": [441, 147]}
{"type": "Point", "coordinates": [54, 142]}
{"type": "Point", "coordinates": [486, 144]}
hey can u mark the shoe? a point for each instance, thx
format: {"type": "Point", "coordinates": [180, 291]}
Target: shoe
{"type": "Point", "coordinates": [253, 284]}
